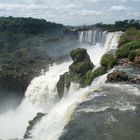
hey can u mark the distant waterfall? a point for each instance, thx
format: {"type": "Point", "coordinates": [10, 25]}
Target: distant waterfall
{"type": "Point", "coordinates": [93, 36]}
{"type": "Point", "coordinates": [112, 40]}
{"type": "Point", "coordinates": [105, 38]}
{"type": "Point", "coordinates": [98, 41]}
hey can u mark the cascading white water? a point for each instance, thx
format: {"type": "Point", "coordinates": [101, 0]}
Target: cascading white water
{"type": "Point", "coordinates": [41, 96]}
{"type": "Point", "coordinates": [42, 91]}
{"type": "Point", "coordinates": [112, 40]}
{"type": "Point", "coordinates": [52, 126]}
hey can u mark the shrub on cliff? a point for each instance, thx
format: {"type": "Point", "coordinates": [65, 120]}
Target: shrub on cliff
{"type": "Point", "coordinates": [81, 68]}
{"type": "Point", "coordinates": [79, 55]}
{"type": "Point", "coordinates": [134, 54]}
{"type": "Point", "coordinates": [124, 51]}
{"type": "Point", "coordinates": [131, 34]}
{"type": "Point", "coordinates": [108, 61]}
{"type": "Point", "coordinates": [90, 76]}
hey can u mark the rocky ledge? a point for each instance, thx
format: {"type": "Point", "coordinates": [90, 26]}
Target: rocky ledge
{"type": "Point", "coordinates": [32, 124]}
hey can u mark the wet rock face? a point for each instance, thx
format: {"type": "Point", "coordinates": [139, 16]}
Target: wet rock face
{"type": "Point", "coordinates": [77, 71]}
{"type": "Point", "coordinates": [116, 76]}
{"type": "Point", "coordinates": [32, 124]}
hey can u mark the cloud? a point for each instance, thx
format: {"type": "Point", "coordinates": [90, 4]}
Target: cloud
{"type": "Point", "coordinates": [118, 8]}
{"type": "Point", "coordinates": [91, 13]}
{"type": "Point", "coordinates": [72, 11]}
{"type": "Point", "coordinates": [10, 7]}
{"type": "Point", "coordinates": [133, 14]}
{"type": "Point", "coordinates": [130, 0]}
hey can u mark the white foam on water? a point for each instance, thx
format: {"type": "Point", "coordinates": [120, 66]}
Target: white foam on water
{"type": "Point", "coordinates": [130, 88]}
{"type": "Point", "coordinates": [123, 105]}
{"type": "Point", "coordinates": [94, 109]}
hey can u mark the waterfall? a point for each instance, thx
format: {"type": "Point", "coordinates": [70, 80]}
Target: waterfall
{"type": "Point", "coordinates": [41, 94]}
{"type": "Point", "coordinates": [99, 41]}
{"type": "Point", "coordinates": [51, 127]}
{"type": "Point", "coordinates": [93, 36]}
{"type": "Point", "coordinates": [108, 39]}
{"type": "Point", "coordinates": [112, 40]}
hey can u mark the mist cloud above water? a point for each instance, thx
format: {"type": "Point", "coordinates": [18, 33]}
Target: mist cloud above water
{"type": "Point", "coordinates": [72, 12]}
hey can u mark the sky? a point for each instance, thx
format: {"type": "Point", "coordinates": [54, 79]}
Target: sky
{"type": "Point", "coordinates": [72, 12]}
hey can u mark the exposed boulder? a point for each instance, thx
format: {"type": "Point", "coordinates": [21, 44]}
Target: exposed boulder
{"type": "Point", "coordinates": [137, 60]}
{"type": "Point", "coordinates": [116, 76]}
{"type": "Point", "coordinates": [135, 80]}
{"type": "Point", "coordinates": [123, 61]}
{"type": "Point", "coordinates": [77, 71]}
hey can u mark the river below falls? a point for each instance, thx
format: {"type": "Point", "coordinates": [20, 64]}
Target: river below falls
{"type": "Point", "coordinates": [113, 115]}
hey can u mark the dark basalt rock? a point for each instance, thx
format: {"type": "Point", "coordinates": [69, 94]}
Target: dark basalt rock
{"type": "Point", "coordinates": [117, 76]}
{"type": "Point", "coordinates": [32, 124]}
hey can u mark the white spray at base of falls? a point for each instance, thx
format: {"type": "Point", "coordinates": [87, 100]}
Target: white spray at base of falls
{"type": "Point", "coordinates": [39, 97]}
{"type": "Point", "coordinates": [13, 123]}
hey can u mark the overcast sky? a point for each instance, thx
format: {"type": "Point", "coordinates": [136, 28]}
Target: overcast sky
{"type": "Point", "coordinates": [72, 12]}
